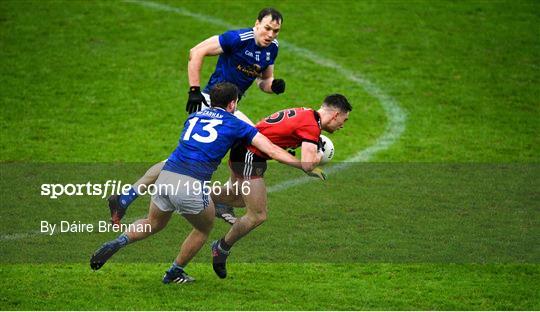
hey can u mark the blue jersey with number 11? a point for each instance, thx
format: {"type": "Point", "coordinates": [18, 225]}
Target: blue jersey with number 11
{"type": "Point", "coordinates": [242, 60]}
{"type": "Point", "coordinates": [206, 138]}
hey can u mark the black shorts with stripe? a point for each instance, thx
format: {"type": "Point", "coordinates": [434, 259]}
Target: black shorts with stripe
{"type": "Point", "coordinates": [245, 164]}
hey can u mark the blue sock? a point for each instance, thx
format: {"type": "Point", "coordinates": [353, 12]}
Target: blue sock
{"type": "Point", "coordinates": [175, 266]}
{"type": "Point", "coordinates": [123, 240]}
{"type": "Point", "coordinates": [127, 199]}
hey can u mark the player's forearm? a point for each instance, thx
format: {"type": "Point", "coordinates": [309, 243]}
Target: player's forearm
{"type": "Point", "coordinates": [309, 166]}
{"type": "Point", "coordinates": [265, 84]}
{"type": "Point", "coordinates": [284, 157]}
{"type": "Point", "coordinates": [194, 67]}
{"type": "Point", "coordinates": [275, 152]}
{"type": "Point", "coordinates": [310, 160]}
{"type": "Point", "coordinates": [296, 163]}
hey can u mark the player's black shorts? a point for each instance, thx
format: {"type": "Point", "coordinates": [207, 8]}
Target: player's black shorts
{"type": "Point", "coordinates": [245, 164]}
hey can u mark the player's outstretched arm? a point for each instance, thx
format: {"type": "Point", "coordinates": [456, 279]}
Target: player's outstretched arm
{"type": "Point", "coordinates": [268, 84]}
{"type": "Point", "coordinates": [275, 152]}
{"type": "Point", "coordinates": [208, 47]}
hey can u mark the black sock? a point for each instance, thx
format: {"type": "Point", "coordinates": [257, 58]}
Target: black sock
{"type": "Point", "coordinates": [224, 245]}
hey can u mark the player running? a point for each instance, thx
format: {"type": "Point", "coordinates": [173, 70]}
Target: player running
{"type": "Point", "coordinates": [289, 128]}
{"type": "Point", "coordinates": [206, 138]}
{"type": "Point", "coordinates": [245, 55]}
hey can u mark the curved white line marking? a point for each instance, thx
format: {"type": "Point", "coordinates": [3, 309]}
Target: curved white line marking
{"type": "Point", "coordinates": [395, 114]}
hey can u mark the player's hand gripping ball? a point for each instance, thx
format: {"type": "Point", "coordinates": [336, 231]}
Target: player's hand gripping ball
{"type": "Point", "coordinates": [326, 148]}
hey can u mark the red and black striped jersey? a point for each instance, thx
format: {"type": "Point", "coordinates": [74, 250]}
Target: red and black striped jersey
{"type": "Point", "coordinates": [290, 127]}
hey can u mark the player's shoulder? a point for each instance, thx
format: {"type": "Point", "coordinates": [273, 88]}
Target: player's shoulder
{"type": "Point", "coordinates": [231, 119]}
{"type": "Point", "coordinates": [304, 110]}
{"type": "Point", "coordinates": [308, 115]}
{"type": "Point", "coordinates": [243, 34]}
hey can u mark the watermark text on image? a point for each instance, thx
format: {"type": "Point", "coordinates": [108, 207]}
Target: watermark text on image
{"type": "Point", "coordinates": [113, 187]}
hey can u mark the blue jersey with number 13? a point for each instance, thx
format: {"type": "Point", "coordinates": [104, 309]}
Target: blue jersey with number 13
{"type": "Point", "coordinates": [206, 138]}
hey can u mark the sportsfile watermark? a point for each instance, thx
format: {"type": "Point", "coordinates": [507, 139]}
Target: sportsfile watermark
{"type": "Point", "coordinates": [113, 187]}
{"type": "Point", "coordinates": [363, 212]}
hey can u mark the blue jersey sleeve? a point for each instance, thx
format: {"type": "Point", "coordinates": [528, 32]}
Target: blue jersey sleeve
{"type": "Point", "coordinates": [229, 40]}
{"type": "Point", "coordinates": [246, 132]}
{"type": "Point", "coordinates": [275, 54]}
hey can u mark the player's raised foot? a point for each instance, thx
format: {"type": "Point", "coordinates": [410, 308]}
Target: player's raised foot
{"type": "Point", "coordinates": [226, 213]}
{"type": "Point", "coordinates": [219, 260]}
{"type": "Point", "coordinates": [117, 211]}
{"type": "Point", "coordinates": [177, 275]}
{"type": "Point", "coordinates": [103, 254]}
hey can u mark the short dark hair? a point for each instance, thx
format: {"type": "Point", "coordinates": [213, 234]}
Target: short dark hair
{"type": "Point", "coordinates": [222, 94]}
{"type": "Point", "coordinates": [338, 101]}
{"type": "Point", "coordinates": [276, 16]}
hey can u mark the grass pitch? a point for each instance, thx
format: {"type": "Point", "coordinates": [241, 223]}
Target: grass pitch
{"type": "Point", "coordinates": [447, 219]}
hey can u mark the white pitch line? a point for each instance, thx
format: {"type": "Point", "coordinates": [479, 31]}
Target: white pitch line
{"type": "Point", "coordinates": [395, 114]}
{"type": "Point", "coordinates": [17, 236]}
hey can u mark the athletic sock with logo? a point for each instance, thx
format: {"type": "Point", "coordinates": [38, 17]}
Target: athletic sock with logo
{"type": "Point", "coordinates": [122, 240]}
{"type": "Point", "coordinates": [127, 199]}
{"type": "Point", "coordinates": [223, 245]}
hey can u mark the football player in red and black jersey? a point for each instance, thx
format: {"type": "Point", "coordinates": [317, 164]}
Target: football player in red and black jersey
{"type": "Point", "coordinates": [289, 128]}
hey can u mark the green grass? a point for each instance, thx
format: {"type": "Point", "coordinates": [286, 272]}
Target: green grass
{"type": "Point", "coordinates": [446, 220]}
{"type": "Point", "coordinates": [287, 286]}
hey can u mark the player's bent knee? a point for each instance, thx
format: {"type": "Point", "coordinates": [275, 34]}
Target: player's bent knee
{"type": "Point", "coordinates": [257, 218]}
{"type": "Point", "coordinates": [261, 219]}
{"type": "Point", "coordinates": [204, 235]}
{"type": "Point", "coordinates": [207, 228]}
{"type": "Point", "coordinates": [157, 224]}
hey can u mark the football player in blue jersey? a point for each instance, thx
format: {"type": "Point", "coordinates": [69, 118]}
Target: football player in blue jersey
{"type": "Point", "coordinates": [206, 138]}
{"type": "Point", "coordinates": [245, 55]}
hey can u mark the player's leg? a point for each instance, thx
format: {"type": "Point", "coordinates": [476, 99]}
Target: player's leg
{"type": "Point", "coordinates": [229, 193]}
{"type": "Point", "coordinates": [202, 226]}
{"type": "Point", "coordinates": [156, 221]}
{"type": "Point", "coordinates": [198, 210]}
{"type": "Point", "coordinates": [226, 197]}
{"type": "Point", "coordinates": [140, 229]}
{"type": "Point", "coordinates": [256, 213]}
{"type": "Point", "coordinates": [118, 204]}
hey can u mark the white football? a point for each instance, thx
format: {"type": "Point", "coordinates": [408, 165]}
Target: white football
{"type": "Point", "coordinates": [327, 149]}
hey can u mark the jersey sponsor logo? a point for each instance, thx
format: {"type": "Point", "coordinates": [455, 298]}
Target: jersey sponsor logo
{"type": "Point", "coordinates": [252, 71]}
